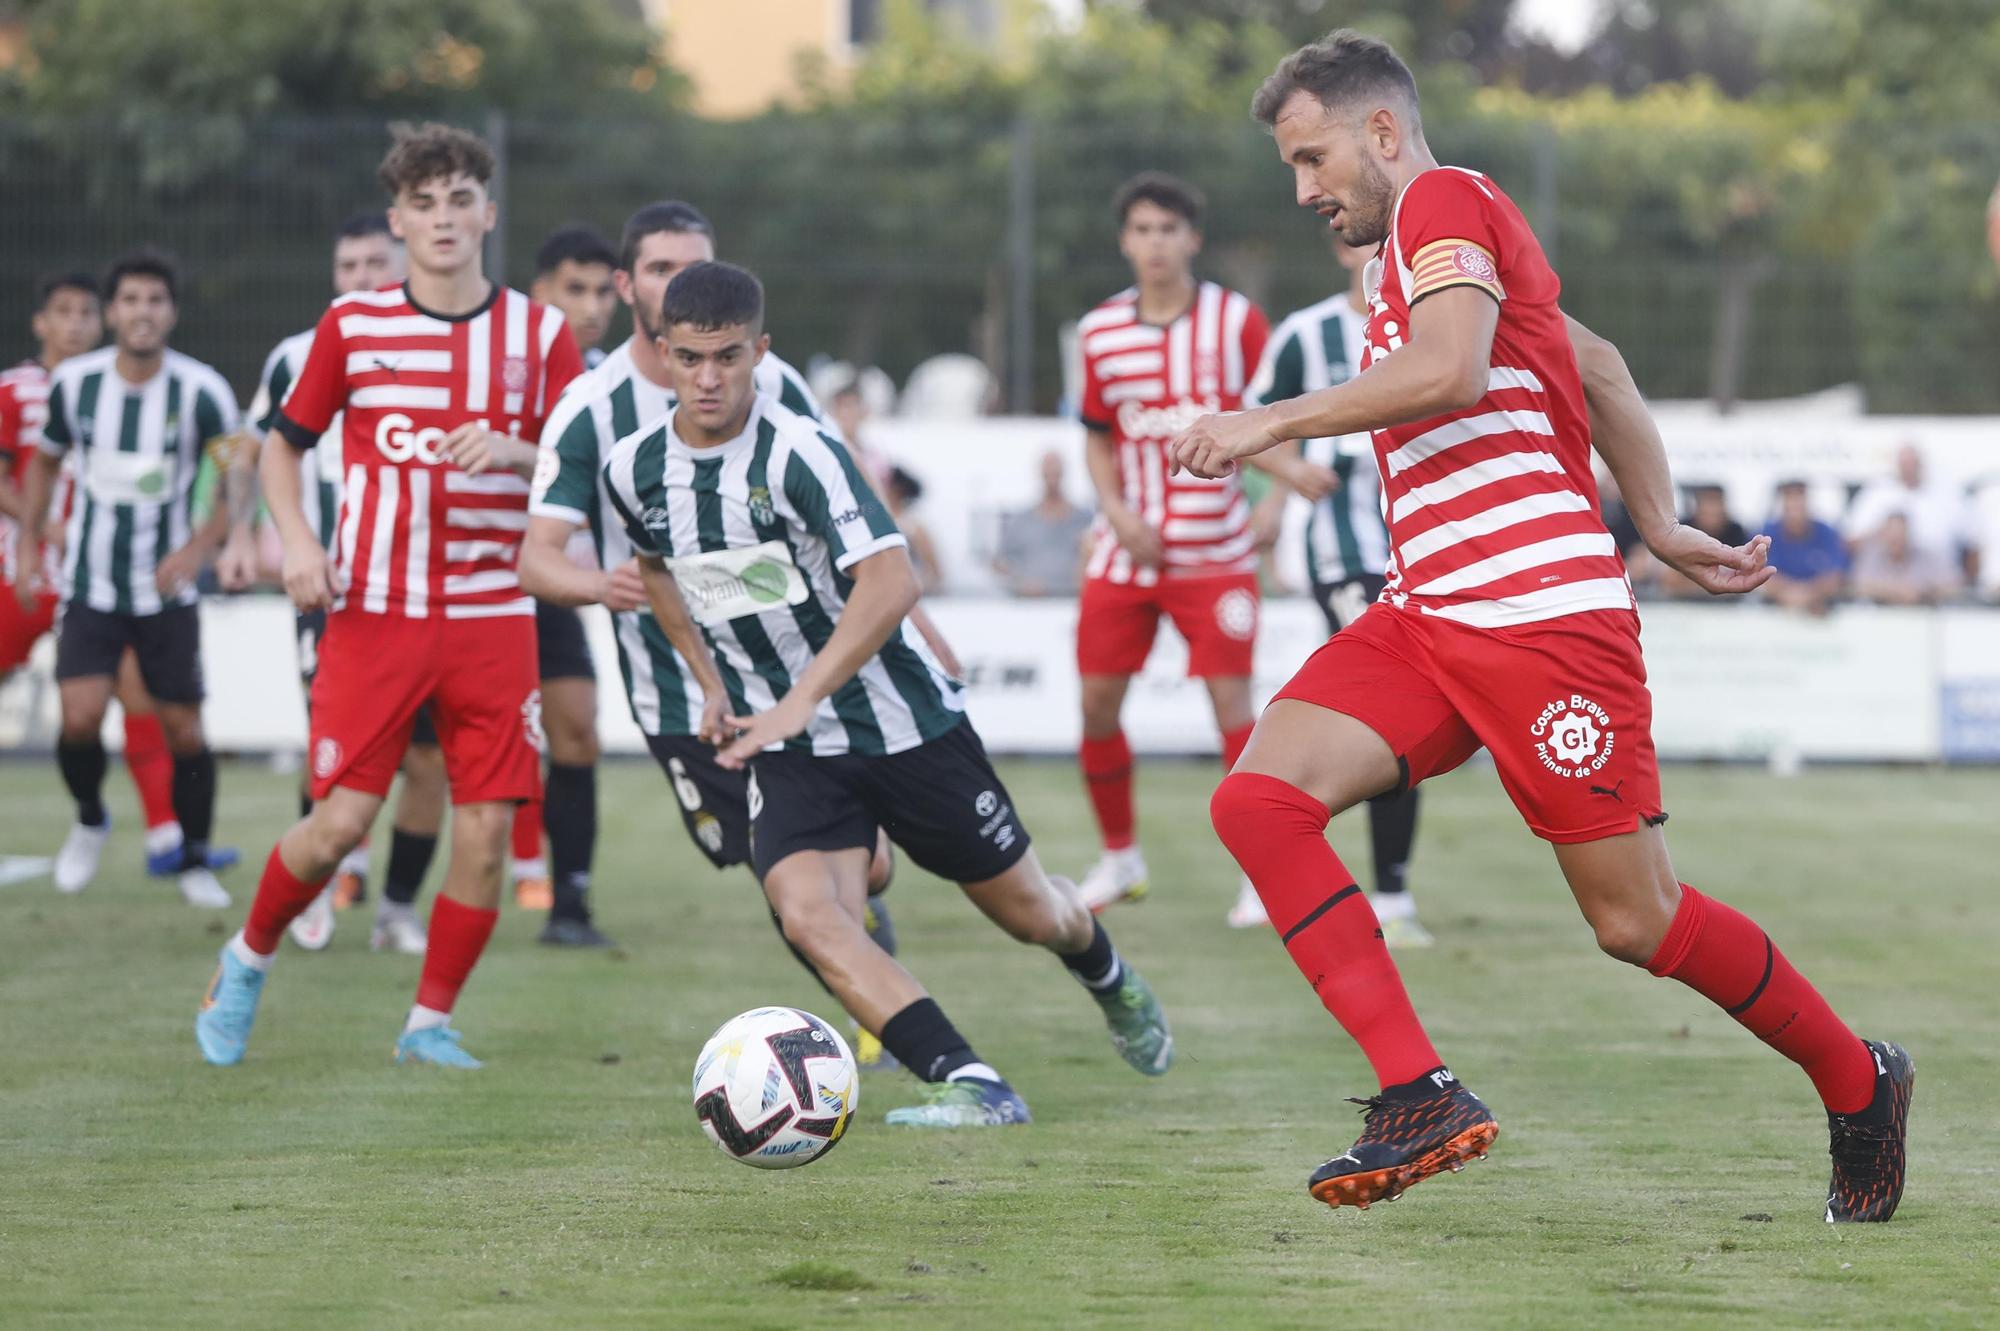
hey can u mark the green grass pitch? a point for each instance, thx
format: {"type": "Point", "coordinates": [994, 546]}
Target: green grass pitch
{"type": "Point", "coordinates": [1657, 1167]}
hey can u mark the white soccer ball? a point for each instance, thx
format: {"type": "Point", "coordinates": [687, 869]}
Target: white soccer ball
{"type": "Point", "coordinates": [775, 1087]}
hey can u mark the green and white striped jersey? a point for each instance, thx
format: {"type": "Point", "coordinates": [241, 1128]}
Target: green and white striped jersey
{"type": "Point", "coordinates": [759, 533]}
{"type": "Point", "coordinates": [319, 466]}
{"type": "Point", "coordinates": [139, 447]}
{"type": "Point", "coordinates": [600, 407]}
{"type": "Point", "coordinates": [1318, 347]}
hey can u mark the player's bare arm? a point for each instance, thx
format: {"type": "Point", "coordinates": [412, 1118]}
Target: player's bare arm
{"type": "Point", "coordinates": [475, 449]}
{"type": "Point", "coordinates": [11, 498]}
{"type": "Point", "coordinates": [934, 639]}
{"type": "Point", "coordinates": [1140, 541]}
{"type": "Point", "coordinates": [183, 566]}
{"type": "Point", "coordinates": [885, 590]}
{"type": "Point", "coordinates": [308, 573]}
{"type": "Point", "coordinates": [40, 484]}
{"type": "Point", "coordinates": [236, 566]}
{"type": "Point", "coordinates": [1442, 368]}
{"type": "Point", "coordinates": [548, 572]}
{"type": "Point", "coordinates": [663, 595]}
{"type": "Point", "coordinates": [1623, 432]}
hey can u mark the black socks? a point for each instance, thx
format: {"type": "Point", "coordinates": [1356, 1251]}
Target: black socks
{"type": "Point", "coordinates": [82, 763]}
{"type": "Point", "coordinates": [569, 813]}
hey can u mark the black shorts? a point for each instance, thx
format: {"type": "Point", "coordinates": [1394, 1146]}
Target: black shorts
{"type": "Point", "coordinates": [311, 628]}
{"type": "Point", "coordinates": [1343, 602]}
{"type": "Point", "coordinates": [941, 802]}
{"type": "Point", "coordinates": [715, 802]}
{"type": "Point", "coordinates": [167, 645]}
{"type": "Point", "coordinates": [561, 650]}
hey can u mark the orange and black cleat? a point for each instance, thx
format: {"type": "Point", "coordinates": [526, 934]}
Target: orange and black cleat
{"type": "Point", "coordinates": [1867, 1145]}
{"type": "Point", "coordinates": [1408, 1136]}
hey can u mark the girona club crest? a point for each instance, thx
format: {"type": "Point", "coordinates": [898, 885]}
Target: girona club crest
{"type": "Point", "coordinates": [514, 374]}
{"type": "Point", "coordinates": [326, 756]}
{"type": "Point", "coordinates": [1236, 614]}
{"type": "Point", "coordinates": [531, 721]}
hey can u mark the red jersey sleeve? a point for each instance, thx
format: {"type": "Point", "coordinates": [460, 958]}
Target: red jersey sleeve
{"type": "Point", "coordinates": [1091, 410]}
{"type": "Point", "coordinates": [1256, 332]}
{"type": "Point", "coordinates": [320, 391]}
{"type": "Point", "coordinates": [12, 454]}
{"type": "Point", "coordinates": [561, 362]}
{"type": "Point", "coordinates": [1450, 234]}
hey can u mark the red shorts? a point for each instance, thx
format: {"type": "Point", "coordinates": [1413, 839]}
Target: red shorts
{"type": "Point", "coordinates": [1562, 706]}
{"type": "Point", "coordinates": [375, 671]}
{"type": "Point", "coordinates": [21, 629]}
{"type": "Point", "coordinates": [1116, 623]}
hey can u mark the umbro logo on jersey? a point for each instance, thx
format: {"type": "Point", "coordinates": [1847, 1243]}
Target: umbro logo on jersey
{"type": "Point", "coordinates": [655, 519]}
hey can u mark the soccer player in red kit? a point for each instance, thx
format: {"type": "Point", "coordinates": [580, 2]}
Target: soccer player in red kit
{"type": "Point", "coordinates": [1507, 623]}
{"type": "Point", "coordinates": [439, 381]}
{"type": "Point", "coordinates": [1156, 356]}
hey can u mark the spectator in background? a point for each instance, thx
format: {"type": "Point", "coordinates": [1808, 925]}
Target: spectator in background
{"type": "Point", "coordinates": [1711, 515]}
{"type": "Point", "coordinates": [901, 495]}
{"type": "Point", "coordinates": [1617, 517]}
{"type": "Point", "coordinates": [848, 407]}
{"type": "Point", "coordinates": [1041, 548]}
{"type": "Point", "coordinates": [1891, 568]}
{"type": "Point", "coordinates": [1938, 518]}
{"type": "Point", "coordinates": [1810, 558]}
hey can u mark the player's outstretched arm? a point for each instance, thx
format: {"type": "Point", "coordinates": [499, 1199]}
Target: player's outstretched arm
{"type": "Point", "coordinates": [663, 594]}
{"type": "Point", "coordinates": [1623, 432]}
{"type": "Point", "coordinates": [38, 485]}
{"type": "Point", "coordinates": [1441, 368]}
{"type": "Point", "coordinates": [885, 590]}
{"type": "Point", "coordinates": [549, 573]}
{"type": "Point", "coordinates": [308, 575]}
{"type": "Point", "coordinates": [1100, 459]}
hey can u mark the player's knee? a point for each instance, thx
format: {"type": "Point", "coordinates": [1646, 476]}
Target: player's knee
{"type": "Point", "coordinates": [1627, 936]}
{"type": "Point", "coordinates": [334, 828]}
{"type": "Point", "coordinates": [1240, 808]}
{"type": "Point", "coordinates": [814, 928]}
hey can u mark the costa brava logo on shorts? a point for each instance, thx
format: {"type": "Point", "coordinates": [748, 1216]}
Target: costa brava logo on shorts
{"type": "Point", "coordinates": [1573, 737]}
{"type": "Point", "coordinates": [1236, 614]}
{"type": "Point", "coordinates": [531, 721]}
{"type": "Point", "coordinates": [326, 756]}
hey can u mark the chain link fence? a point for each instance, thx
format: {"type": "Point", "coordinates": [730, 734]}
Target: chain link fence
{"type": "Point", "coordinates": [888, 240]}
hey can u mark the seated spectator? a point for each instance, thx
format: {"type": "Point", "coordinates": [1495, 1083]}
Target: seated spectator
{"type": "Point", "coordinates": [901, 493]}
{"type": "Point", "coordinates": [1809, 556]}
{"type": "Point", "coordinates": [1938, 516]}
{"type": "Point", "coordinates": [1041, 548]}
{"type": "Point", "coordinates": [1617, 517]}
{"type": "Point", "coordinates": [1892, 569]}
{"type": "Point", "coordinates": [1710, 514]}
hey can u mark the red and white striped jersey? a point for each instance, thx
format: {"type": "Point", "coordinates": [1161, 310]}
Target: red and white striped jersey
{"type": "Point", "coordinates": [1142, 385]}
{"type": "Point", "coordinates": [1493, 517]}
{"type": "Point", "coordinates": [416, 535]}
{"type": "Point", "coordinates": [24, 409]}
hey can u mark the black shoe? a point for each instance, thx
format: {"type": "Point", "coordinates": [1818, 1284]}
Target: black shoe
{"type": "Point", "coordinates": [566, 931]}
{"type": "Point", "coordinates": [1408, 1136]}
{"type": "Point", "coordinates": [1867, 1146]}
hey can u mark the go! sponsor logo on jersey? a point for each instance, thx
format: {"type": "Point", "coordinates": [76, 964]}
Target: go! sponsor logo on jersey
{"type": "Point", "coordinates": [397, 439]}
{"type": "Point", "coordinates": [1139, 422]}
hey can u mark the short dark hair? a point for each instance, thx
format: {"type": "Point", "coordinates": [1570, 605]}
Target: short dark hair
{"type": "Point", "coordinates": [1336, 69]}
{"type": "Point", "coordinates": [1162, 190]}
{"type": "Point", "coordinates": [367, 222]}
{"type": "Point", "coordinates": [670, 215]}
{"type": "Point", "coordinates": [419, 154]}
{"type": "Point", "coordinates": [577, 242]}
{"type": "Point", "coordinates": [45, 290]}
{"type": "Point", "coordinates": [710, 295]}
{"type": "Point", "coordinates": [144, 262]}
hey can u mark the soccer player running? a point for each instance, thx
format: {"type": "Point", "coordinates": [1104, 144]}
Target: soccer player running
{"type": "Point", "coordinates": [1157, 355]}
{"type": "Point", "coordinates": [629, 389]}
{"type": "Point", "coordinates": [139, 416]}
{"type": "Point", "coordinates": [68, 321]}
{"type": "Point", "coordinates": [1346, 545]}
{"type": "Point", "coordinates": [366, 257]}
{"type": "Point", "coordinates": [438, 382]}
{"type": "Point", "coordinates": [1507, 623]}
{"type": "Point", "coordinates": [573, 274]}
{"type": "Point", "coordinates": [801, 584]}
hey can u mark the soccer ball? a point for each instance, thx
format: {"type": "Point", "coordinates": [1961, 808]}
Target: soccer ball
{"type": "Point", "coordinates": [775, 1087]}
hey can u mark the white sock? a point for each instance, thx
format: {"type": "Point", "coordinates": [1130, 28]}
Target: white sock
{"type": "Point", "coordinates": [1127, 856]}
{"type": "Point", "coordinates": [424, 1018]}
{"type": "Point", "coordinates": [979, 1070]}
{"type": "Point", "coordinates": [355, 862]}
{"type": "Point", "coordinates": [1110, 980]}
{"type": "Point", "coordinates": [1393, 905]}
{"type": "Point", "coordinates": [239, 947]}
{"type": "Point", "coordinates": [164, 837]}
{"type": "Point", "coordinates": [535, 868]}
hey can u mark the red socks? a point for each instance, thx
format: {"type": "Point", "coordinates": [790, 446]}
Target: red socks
{"type": "Point", "coordinates": [280, 898]}
{"type": "Point", "coordinates": [1107, 775]}
{"type": "Point", "coordinates": [151, 766]}
{"type": "Point", "coordinates": [1723, 956]}
{"type": "Point", "coordinates": [1277, 833]}
{"type": "Point", "coordinates": [528, 830]}
{"type": "Point", "coordinates": [1233, 742]}
{"type": "Point", "coordinates": [458, 935]}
